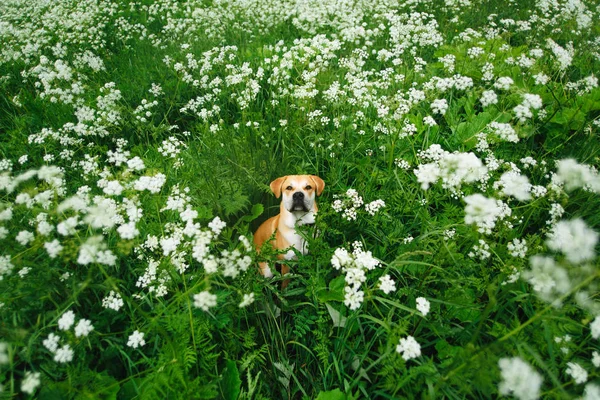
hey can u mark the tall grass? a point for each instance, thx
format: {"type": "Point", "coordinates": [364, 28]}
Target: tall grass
{"type": "Point", "coordinates": [249, 91]}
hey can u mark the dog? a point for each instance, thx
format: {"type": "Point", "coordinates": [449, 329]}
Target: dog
{"type": "Point", "coordinates": [298, 207]}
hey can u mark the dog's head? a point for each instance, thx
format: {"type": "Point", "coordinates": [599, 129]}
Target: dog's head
{"type": "Point", "coordinates": [298, 191]}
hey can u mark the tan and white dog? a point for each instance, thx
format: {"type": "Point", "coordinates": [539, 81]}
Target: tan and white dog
{"type": "Point", "coordinates": [298, 207]}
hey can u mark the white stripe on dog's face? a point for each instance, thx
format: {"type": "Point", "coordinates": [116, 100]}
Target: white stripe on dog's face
{"type": "Point", "coordinates": [298, 193]}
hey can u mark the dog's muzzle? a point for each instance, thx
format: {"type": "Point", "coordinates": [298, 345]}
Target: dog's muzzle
{"type": "Point", "coordinates": [298, 202]}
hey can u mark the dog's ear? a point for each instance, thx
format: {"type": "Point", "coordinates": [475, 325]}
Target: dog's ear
{"type": "Point", "coordinates": [319, 183]}
{"type": "Point", "coordinates": [276, 186]}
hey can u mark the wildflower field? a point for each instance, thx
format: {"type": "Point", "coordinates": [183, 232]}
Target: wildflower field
{"type": "Point", "coordinates": [454, 254]}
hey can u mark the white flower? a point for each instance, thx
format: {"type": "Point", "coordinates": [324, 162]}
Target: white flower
{"type": "Point", "coordinates": [577, 372]}
{"type": "Point", "coordinates": [136, 339]}
{"type": "Point", "coordinates": [548, 279]}
{"type": "Point", "coordinates": [341, 258]}
{"type": "Point", "coordinates": [364, 259]}
{"type": "Point", "coordinates": [128, 231]}
{"type": "Point", "coordinates": [113, 188]}
{"type": "Point", "coordinates": [564, 57]}
{"type": "Point", "coordinates": [517, 248]}
{"type": "Point", "coordinates": [488, 97]}
{"type": "Point", "coordinates": [503, 131]}
{"type": "Point", "coordinates": [114, 301]}
{"type": "Point", "coordinates": [204, 300]}
{"type": "Point", "coordinates": [66, 321]}
{"type": "Point", "coordinates": [429, 121]}
{"type": "Point", "coordinates": [532, 101]}
{"type": "Point", "coordinates": [596, 359]}
{"type": "Point", "coordinates": [519, 379]}
{"type": "Point", "coordinates": [514, 184]}
{"type": "Point", "coordinates": [374, 206]}
{"type": "Point", "coordinates": [30, 382]}
{"type": "Point", "coordinates": [24, 237]}
{"type": "Point", "coordinates": [484, 212]}
{"type": "Point", "coordinates": [216, 225]}
{"type": "Point", "coordinates": [541, 78]}
{"type": "Point", "coordinates": [423, 305]}
{"type": "Point", "coordinates": [136, 164]}
{"type": "Point", "coordinates": [574, 175]}
{"type": "Point", "coordinates": [4, 353]}
{"type": "Point", "coordinates": [5, 266]}
{"type": "Point", "coordinates": [595, 328]}
{"type": "Point", "coordinates": [151, 183]}
{"type": "Point", "coordinates": [64, 354]}
{"type": "Point", "coordinates": [503, 83]}
{"type": "Point", "coordinates": [355, 276]}
{"type": "Point", "coordinates": [51, 342]}
{"type": "Point", "coordinates": [353, 297]}
{"type": "Point", "coordinates": [409, 348]}
{"type": "Point", "coordinates": [247, 300]}
{"type": "Point", "coordinates": [574, 239]}
{"type": "Point", "coordinates": [83, 328]}
{"type": "Point", "coordinates": [439, 106]}
{"type": "Point", "coordinates": [387, 284]}
{"type": "Point", "coordinates": [591, 392]}
{"type": "Point", "coordinates": [522, 112]}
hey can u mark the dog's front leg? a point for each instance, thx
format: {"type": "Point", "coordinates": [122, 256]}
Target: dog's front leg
{"type": "Point", "coordinates": [265, 270]}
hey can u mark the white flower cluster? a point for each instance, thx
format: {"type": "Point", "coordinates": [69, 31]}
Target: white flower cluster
{"type": "Point", "coordinates": [485, 212]}
{"type": "Point", "coordinates": [439, 106]}
{"type": "Point", "coordinates": [549, 280]}
{"type": "Point", "coordinates": [519, 379]}
{"type": "Point", "coordinates": [185, 239]}
{"type": "Point", "coordinates": [503, 131]}
{"type": "Point", "coordinates": [564, 56]}
{"type": "Point", "coordinates": [423, 305]}
{"type": "Point", "coordinates": [583, 86]}
{"type": "Point", "coordinates": [143, 111]}
{"type": "Point", "coordinates": [355, 266]}
{"type": "Point", "coordinates": [387, 284]}
{"type": "Point", "coordinates": [205, 300]}
{"type": "Point", "coordinates": [153, 184]}
{"type": "Point", "coordinates": [350, 202]}
{"type": "Point", "coordinates": [409, 348]}
{"type": "Point", "coordinates": [373, 207]}
{"type": "Point", "coordinates": [517, 248]}
{"type": "Point", "coordinates": [64, 353]}
{"type": "Point", "coordinates": [573, 175]}
{"type": "Point", "coordinates": [530, 102]}
{"type": "Point", "coordinates": [30, 382]}
{"type": "Point", "coordinates": [171, 148]}
{"type": "Point", "coordinates": [574, 239]}
{"type": "Point", "coordinates": [488, 98]}
{"type": "Point", "coordinates": [577, 372]}
{"type": "Point", "coordinates": [136, 339]}
{"type": "Point", "coordinates": [514, 184]}
{"type": "Point", "coordinates": [452, 169]}
{"type": "Point", "coordinates": [113, 301]}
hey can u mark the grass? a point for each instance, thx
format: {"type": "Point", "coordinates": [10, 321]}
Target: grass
{"type": "Point", "coordinates": [305, 341]}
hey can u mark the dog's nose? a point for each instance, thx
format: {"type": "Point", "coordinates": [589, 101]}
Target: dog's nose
{"type": "Point", "coordinates": [298, 196]}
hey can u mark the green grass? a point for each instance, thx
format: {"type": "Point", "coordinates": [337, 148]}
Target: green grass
{"type": "Point", "coordinates": [302, 342]}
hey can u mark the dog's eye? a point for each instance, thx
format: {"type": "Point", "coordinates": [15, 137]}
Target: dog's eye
{"type": "Point", "coordinates": [289, 188]}
{"type": "Point", "coordinates": [308, 187]}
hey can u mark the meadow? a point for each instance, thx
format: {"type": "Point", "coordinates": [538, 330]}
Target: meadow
{"type": "Point", "coordinates": [454, 253]}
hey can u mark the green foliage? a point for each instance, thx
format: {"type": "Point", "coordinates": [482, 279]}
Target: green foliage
{"type": "Point", "coordinates": [246, 95]}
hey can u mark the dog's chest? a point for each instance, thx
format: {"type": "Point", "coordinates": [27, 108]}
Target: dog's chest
{"type": "Point", "coordinates": [296, 241]}
{"type": "Point", "coordinates": [292, 237]}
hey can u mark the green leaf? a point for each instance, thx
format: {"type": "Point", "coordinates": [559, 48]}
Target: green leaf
{"type": "Point", "coordinates": [338, 319]}
{"type": "Point", "coordinates": [335, 292]}
{"type": "Point", "coordinates": [256, 211]}
{"type": "Point", "coordinates": [336, 394]}
{"type": "Point", "coordinates": [231, 383]}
